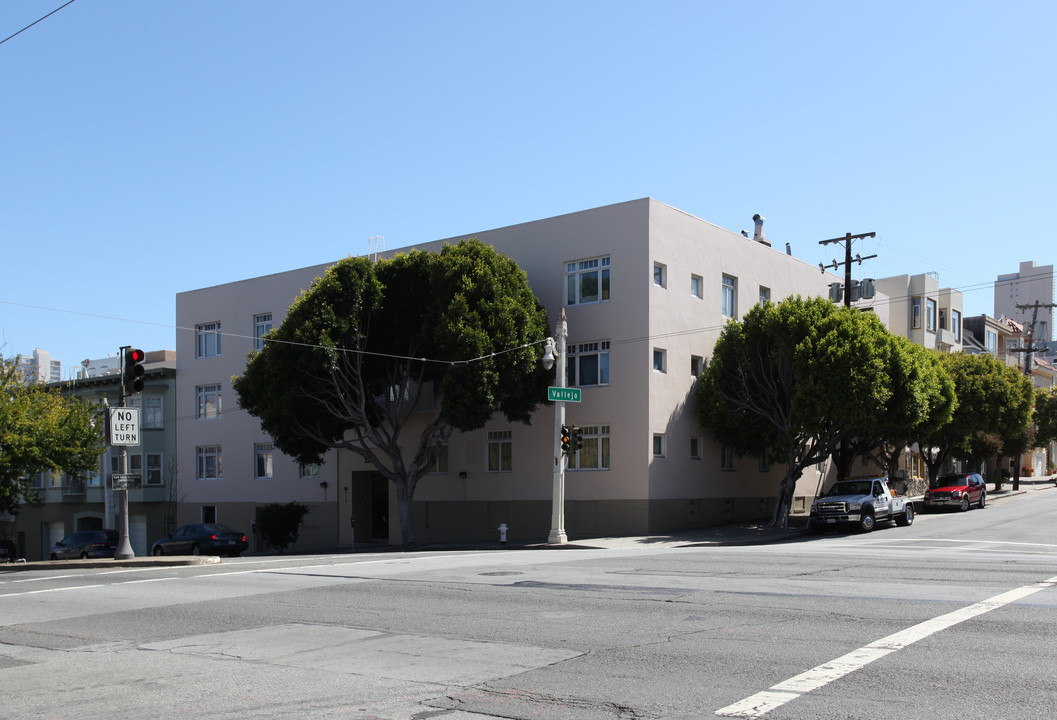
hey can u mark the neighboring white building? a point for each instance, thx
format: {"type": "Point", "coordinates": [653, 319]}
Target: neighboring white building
{"type": "Point", "coordinates": [919, 309]}
{"type": "Point", "coordinates": [647, 289]}
{"type": "Point", "coordinates": [39, 367]}
{"type": "Point", "coordinates": [1032, 283]}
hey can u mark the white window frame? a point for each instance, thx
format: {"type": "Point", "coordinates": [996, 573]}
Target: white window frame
{"type": "Point", "coordinates": [697, 286]}
{"type": "Point", "coordinates": [153, 412]}
{"type": "Point", "coordinates": [596, 444]}
{"type": "Point", "coordinates": [578, 352]}
{"type": "Point", "coordinates": [500, 455]}
{"type": "Point", "coordinates": [697, 366]}
{"type": "Point", "coordinates": [765, 294]}
{"type": "Point", "coordinates": [205, 457]}
{"type": "Point", "coordinates": [726, 458]}
{"type": "Point", "coordinates": [440, 465]}
{"type": "Point", "coordinates": [915, 312]}
{"type": "Point", "coordinates": [658, 445]}
{"type": "Point", "coordinates": [154, 471]}
{"type": "Point", "coordinates": [660, 275]}
{"type": "Point", "coordinates": [308, 470]}
{"type": "Point", "coordinates": [660, 360]}
{"type": "Point", "coordinates": [263, 460]}
{"type": "Point", "coordinates": [695, 448]}
{"type": "Point", "coordinates": [729, 296]}
{"type": "Point", "coordinates": [956, 324]}
{"type": "Point", "coordinates": [991, 341]}
{"type": "Point", "coordinates": [207, 340]}
{"type": "Point", "coordinates": [262, 324]}
{"type": "Point", "coordinates": [203, 394]}
{"type": "Point", "coordinates": [930, 314]}
{"type": "Point", "coordinates": [575, 274]}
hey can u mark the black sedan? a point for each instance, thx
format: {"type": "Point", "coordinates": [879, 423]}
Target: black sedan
{"type": "Point", "coordinates": [202, 539]}
{"type": "Point", "coordinates": [86, 544]}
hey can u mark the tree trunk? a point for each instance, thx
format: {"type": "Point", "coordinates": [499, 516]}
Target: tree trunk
{"type": "Point", "coordinates": [405, 495]}
{"type": "Point", "coordinates": [785, 499]}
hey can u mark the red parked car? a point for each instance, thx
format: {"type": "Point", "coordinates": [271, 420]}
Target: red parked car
{"type": "Point", "coordinates": [960, 490]}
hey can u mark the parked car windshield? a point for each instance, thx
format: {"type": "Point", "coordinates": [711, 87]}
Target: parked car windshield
{"type": "Point", "coordinates": [856, 487]}
{"type": "Point", "coordinates": [947, 480]}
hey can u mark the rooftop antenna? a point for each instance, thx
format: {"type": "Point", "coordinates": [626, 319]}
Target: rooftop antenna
{"type": "Point", "coordinates": [376, 240]}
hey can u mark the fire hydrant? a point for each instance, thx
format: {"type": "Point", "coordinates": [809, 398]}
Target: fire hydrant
{"type": "Point", "coordinates": [502, 533]}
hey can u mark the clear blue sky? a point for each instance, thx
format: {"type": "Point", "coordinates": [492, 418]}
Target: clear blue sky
{"type": "Point", "coordinates": [156, 147]}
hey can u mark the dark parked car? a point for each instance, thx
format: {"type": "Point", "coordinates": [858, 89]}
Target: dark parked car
{"type": "Point", "coordinates": [202, 539]}
{"type": "Point", "coordinates": [959, 490]}
{"type": "Point", "coordinates": [86, 544]}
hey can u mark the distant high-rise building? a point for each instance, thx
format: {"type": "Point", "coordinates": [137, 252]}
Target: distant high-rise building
{"type": "Point", "coordinates": [39, 367]}
{"type": "Point", "coordinates": [1032, 283]}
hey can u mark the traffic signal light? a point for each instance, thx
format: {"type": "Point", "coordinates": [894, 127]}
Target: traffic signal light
{"type": "Point", "coordinates": [578, 438]}
{"type": "Point", "coordinates": [567, 438]}
{"type": "Point", "coordinates": [133, 375]}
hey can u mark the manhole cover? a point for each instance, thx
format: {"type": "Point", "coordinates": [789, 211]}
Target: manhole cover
{"type": "Point", "coordinates": [501, 572]}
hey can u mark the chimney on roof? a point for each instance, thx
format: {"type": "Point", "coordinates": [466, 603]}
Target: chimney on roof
{"type": "Point", "coordinates": [757, 234]}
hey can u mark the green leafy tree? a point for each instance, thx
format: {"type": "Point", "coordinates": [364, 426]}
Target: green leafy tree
{"type": "Point", "coordinates": [436, 341]}
{"type": "Point", "coordinates": [992, 398]}
{"type": "Point", "coordinates": [1045, 417]}
{"type": "Point", "coordinates": [280, 523]}
{"type": "Point", "coordinates": [921, 401]}
{"type": "Point", "coordinates": [1014, 445]}
{"type": "Point", "coordinates": [791, 380]}
{"type": "Point", "coordinates": [982, 446]}
{"type": "Point", "coordinates": [42, 429]}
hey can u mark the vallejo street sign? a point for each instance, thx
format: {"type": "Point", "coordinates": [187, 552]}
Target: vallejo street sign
{"type": "Point", "coordinates": [554, 394]}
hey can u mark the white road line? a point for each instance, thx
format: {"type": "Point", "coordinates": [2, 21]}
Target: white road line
{"type": "Point", "coordinates": [777, 695]}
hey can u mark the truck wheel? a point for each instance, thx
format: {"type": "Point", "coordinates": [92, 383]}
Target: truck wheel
{"type": "Point", "coordinates": [906, 518]}
{"type": "Point", "coordinates": [866, 521]}
{"type": "Point", "coordinates": [965, 503]}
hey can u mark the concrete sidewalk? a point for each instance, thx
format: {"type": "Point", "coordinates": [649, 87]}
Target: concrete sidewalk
{"type": "Point", "coordinates": [758, 533]}
{"type": "Point", "coordinates": [746, 533]}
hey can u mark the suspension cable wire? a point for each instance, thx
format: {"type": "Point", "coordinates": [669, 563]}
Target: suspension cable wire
{"type": "Point", "coordinates": [27, 27]}
{"type": "Point", "coordinates": [628, 340]}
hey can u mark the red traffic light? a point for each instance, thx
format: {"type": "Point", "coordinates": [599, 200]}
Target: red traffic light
{"type": "Point", "coordinates": [132, 377]}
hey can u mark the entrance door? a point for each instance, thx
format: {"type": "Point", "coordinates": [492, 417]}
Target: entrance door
{"type": "Point", "coordinates": [379, 508]}
{"type": "Point", "coordinates": [365, 505]}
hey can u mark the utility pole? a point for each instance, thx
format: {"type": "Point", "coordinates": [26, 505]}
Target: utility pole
{"type": "Point", "coordinates": [848, 260]}
{"type": "Point", "coordinates": [1030, 349]}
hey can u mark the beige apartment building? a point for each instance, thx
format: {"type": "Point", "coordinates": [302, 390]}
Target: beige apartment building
{"type": "Point", "coordinates": [647, 289]}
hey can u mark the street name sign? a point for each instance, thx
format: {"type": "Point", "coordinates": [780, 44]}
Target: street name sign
{"type": "Point", "coordinates": [554, 394]}
{"type": "Point", "coordinates": [124, 426]}
{"type": "Point", "coordinates": [125, 481]}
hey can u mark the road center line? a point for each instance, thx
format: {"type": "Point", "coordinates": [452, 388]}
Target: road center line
{"type": "Point", "coordinates": [777, 695]}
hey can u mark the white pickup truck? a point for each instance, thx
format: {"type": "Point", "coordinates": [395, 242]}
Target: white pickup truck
{"type": "Point", "coordinates": [860, 501]}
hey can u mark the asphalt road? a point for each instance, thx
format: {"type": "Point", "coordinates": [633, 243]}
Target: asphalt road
{"type": "Point", "coordinates": [953, 617]}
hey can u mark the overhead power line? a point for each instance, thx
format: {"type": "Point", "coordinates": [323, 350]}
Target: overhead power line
{"type": "Point", "coordinates": [27, 27]}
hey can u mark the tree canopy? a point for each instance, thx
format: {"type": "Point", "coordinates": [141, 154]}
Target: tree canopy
{"type": "Point", "coordinates": [42, 429]}
{"type": "Point", "coordinates": [790, 381]}
{"type": "Point", "coordinates": [992, 398]}
{"type": "Point", "coordinates": [921, 401]}
{"type": "Point", "coordinates": [1045, 416]}
{"type": "Point", "coordinates": [447, 339]}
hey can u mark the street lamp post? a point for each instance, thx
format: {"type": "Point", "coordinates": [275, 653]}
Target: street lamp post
{"type": "Point", "coordinates": [556, 353]}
